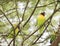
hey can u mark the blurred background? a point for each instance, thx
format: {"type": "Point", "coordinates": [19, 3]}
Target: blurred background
{"type": "Point", "coordinates": [18, 20]}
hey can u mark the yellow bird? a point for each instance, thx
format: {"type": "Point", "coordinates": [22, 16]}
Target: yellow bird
{"type": "Point", "coordinates": [40, 21]}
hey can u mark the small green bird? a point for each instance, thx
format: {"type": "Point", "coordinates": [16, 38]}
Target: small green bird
{"type": "Point", "coordinates": [12, 33]}
{"type": "Point", "coordinates": [53, 36]}
{"type": "Point", "coordinates": [40, 21]}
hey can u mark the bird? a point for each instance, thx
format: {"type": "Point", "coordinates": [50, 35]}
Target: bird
{"type": "Point", "coordinates": [12, 31]}
{"type": "Point", "coordinates": [53, 36]}
{"type": "Point", "coordinates": [40, 20]}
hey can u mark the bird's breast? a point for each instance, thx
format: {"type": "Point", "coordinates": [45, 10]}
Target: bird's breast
{"type": "Point", "coordinates": [40, 20]}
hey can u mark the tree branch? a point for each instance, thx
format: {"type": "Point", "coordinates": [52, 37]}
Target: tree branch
{"type": "Point", "coordinates": [38, 28]}
{"type": "Point", "coordinates": [57, 41]}
{"type": "Point", "coordinates": [25, 10]}
{"type": "Point", "coordinates": [31, 13]}
{"type": "Point", "coordinates": [7, 18]}
{"type": "Point", "coordinates": [47, 4]}
{"type": "Point", "coordinates": [42, 33]}
{"type": "Point", "coordinates": [43, 40]}
{"type": "Point", "coordinates": [41, 25]}
{"type": "Point", "coordinates": [32, 7]}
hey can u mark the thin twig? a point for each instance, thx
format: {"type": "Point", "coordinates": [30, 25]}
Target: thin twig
{"type": "Point", "coordinates": [15, 36]}
{"type": "Point", "coordinates": [31, 13]}
{"type": "Point", "coordinates": [17, 10]}
{"type": "Point", "coordinates": [56, 41]}
{"type": "Point", "coordinates": [30, 16]}
{"type": "Point", "coordinates": [41, 25]}
{"type": "Point", "coordinates": [25, 10]}
{"type": "Point", "coordinates": [43, 40]}
{"type": "Point", "coordinates": [26, 21]}
{"type": "Point", "coordinates": [24, 14]}
{"type": "Point", "coordinates": [8, 12]}
{"type": "Point", "coordinates": [7, 18]}
{"type": "Point", "coordinates": [19, 21]}
{"type": "Point", "coordinates": [46, 26]}
{"type": "Point", "coordinates": [32, 7]}
{"type": "Point", "coordinates": [36, 29]}
{"type": "Point", "coordinates": [47, 4]}
{"type": "Point", "coordinates": [42, 33]}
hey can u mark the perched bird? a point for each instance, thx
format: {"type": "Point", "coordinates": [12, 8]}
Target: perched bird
{"type": "Point", "coordinates": [12, 31]}
{"type": "Point", "coordinates": [53, 37]}
{"type": "Point", "coordinates": [40, 21]}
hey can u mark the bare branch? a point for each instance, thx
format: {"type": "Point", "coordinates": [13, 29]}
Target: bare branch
{"type": "Point", "coordinates": [42, 24]}
{"type": "Point", "coordinates": [32, 7]}
{"type": "Point", "coordinates": [25, 10]}
{"type": "Point", "coordinates": [47, 4]}
{"type": "Point", "coordinates": [57, 41]}
{"type": "Point", "coordinates": [46, 26]}
{"type": "Point", "coordinates": [42, 33]}
{"type": "Point", "coordinates": [15, 36]}
{"type": "Point", "coordinates": [31, 13]}
{"type": "Point", "coordinates": [17, 10]}
{"type": "Point", "coordinates": [43, 40]}
{"type": "Point", "coordinates": [7, 19]}
{"type": "Point", "coordinates": [36, 29]}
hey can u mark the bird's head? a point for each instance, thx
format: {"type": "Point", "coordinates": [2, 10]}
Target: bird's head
{"type": "Point", "coordinates": [43, 13]}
